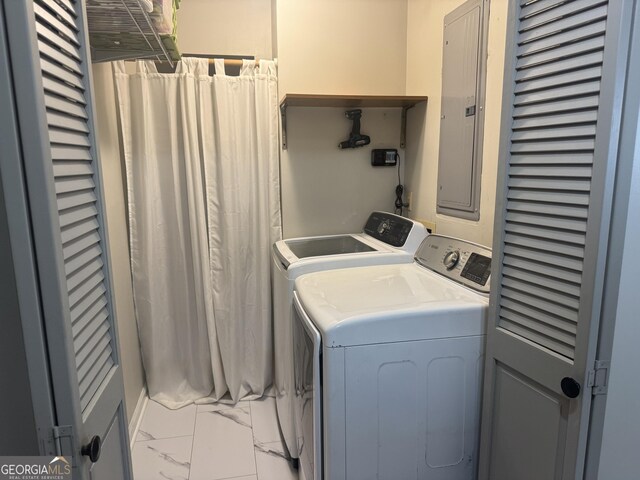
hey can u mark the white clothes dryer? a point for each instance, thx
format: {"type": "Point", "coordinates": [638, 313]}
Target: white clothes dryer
{"type": "Point", "coordinates": [386, 239]}
{"type": "Point", "coordinates": [388, 366]}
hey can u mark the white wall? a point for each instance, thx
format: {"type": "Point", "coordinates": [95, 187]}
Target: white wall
{"type": "Point", "coordinates": [226, 27]}
{"type": "Point", "coordinates": [326, 190]}
{"type": "Point", "coordinates": [342, 46]}
{"type": "Point", "coordinates": [347, 47]}
{"type": "Point", "coordinates": [112, 170]}
{"type": "Point", "coordinates": [424, 77]}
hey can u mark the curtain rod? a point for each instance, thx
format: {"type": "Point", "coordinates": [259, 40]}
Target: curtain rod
{"type": "Point", "coordinates": [229, 60]}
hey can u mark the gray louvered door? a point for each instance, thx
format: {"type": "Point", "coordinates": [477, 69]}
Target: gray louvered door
{"type": "Point", "coordinates": [565, 64]}
{"type": "Point", "coordinates": [48, 45]}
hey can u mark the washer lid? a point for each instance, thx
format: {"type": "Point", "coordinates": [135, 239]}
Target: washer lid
{"type": "Point", "coordinates": [389, 303]}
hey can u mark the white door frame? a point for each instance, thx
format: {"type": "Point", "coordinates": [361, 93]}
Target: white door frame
{"type": "Point", "coordinates": [628, 159]}
{"type": "Point", "coordinates": [13, 184]}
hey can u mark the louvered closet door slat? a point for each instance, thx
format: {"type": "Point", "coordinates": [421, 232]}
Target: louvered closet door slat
{"type": "Point", "coordinates": [561, 171]}
{"type": "Point", "coordinates": [98, 343]}
{"type": "Point", "coordinates": [92, 306]}
{"type": "Point", "coordinates": [73, 184]}
{"type": "Point", "coordinates": [68, 137]}
{"type": "Point", "coordinates": [569, 198]}
{"type": "Point", "coordinates": [69, 152]}
{"type": "Point", "coordinates": [584, 103]}
{"type": "Point", "coordinates": [58, 28]}
{"type": "Point", "coordinates": [101, 363]}
{"type": "Point", "coordinates": [66, 106]}
{"type": "Point", "coordinates": [555, 120]}
{"type": "Point", "coordinates": [524, 278]}
{"type": "Point", "coordinates": [77, 214]}
{"type": "Point", "coordinates": [60, 73]}
{"type": "Point", "coordinates": [546, 330]}
{"type": "Point", "coordinates": [542, 244]}
{"type": "Point", "coordinates": [565, 24]}
{"type": "Point", "coordinates": [95, 320]}
{"type": "Point", "coordinates": [549, 184]}
{"type": "Point", "coordinates": [74, 199]}
{"type": "Point", "coordinates": [64, 45]}
{"type": "Point", "coordinates": [556, 210]}
{"type": "Point", "coordinates": [66, 122]}
{"type": "Point", "coordinates": [69, 168]}
{"type": "Point", "coordinates": [559, 53]}
{"type": "Point", "coordinates": [550, 258]}
{"type": "Point", "coordinates": [586, 131]}
{"type": "Point", "coordinates": [74, 172]}
{"type": "Point", "coordinates": [560, 12]}
{"type": "Point", "coordinates": [79, 229]}
{"type": "Point", "coordinates": [528, 9]}
{"type": "Point", "coordinates": [553, 94]}
{"type": "Point", "coordinates": [558, 316]}
{"type": "Point", "coordinates": [559, 80]}
{"type": "Point", "coordinates": [543, 270]}
{"type": "Point", "coordinates": [551, 159]}
{"type": "Point", "coordinates": [572, 225]}
{"type": "Point", "coordinates": [561, 66]}
{"type": "Point", "coordinates": [85, 334]}
{"type": "Point", "coordinates": [69, 18]}
{"type": "Point", "coordinates": [95, 378]}
{"type": "Point", "coordinates": [81, 259]}
{"type": "Point", "coordinates": [75, 247]}
{"type": "Point", "coordinates": [80, 276]}
{"type": "Point", "coordinates": [62, 90]}
{"type": "Point", "coordinates": [547, 209]}
{"type": "Point", "coordinates": [88, 376]}
{"type": "Point", "coordinates": [541, 233]}
{"type": "Point", "coordinates": [59, 57]}
{"type": "Point", "coordinates": [541, 292]}
{"type": "Point", "coordinates": [540, 334]}
{"type": "Point", "coordinates": [68, 6]}
{"type": "Point", "coordinates": [560, 49]}
{"type": "Point", "coordinates": [567, 37]}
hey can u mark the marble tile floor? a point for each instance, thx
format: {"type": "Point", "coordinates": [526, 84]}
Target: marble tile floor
{"type": "Point", "coordinates": [211, 442]}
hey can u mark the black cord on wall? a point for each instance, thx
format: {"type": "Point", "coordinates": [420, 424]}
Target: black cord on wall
{"type": "Point", "coordinates": [399, 204]}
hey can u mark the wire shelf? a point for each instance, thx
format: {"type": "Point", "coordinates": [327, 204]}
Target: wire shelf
{"type": "Point", "coordinates": [121, 30]}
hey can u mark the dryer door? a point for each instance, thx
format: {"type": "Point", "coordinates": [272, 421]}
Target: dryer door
{"type": "Point", "coordinates": [308, 393]}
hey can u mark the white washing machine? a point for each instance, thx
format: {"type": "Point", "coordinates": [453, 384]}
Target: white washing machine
{"type": "Point", "coordinates": [388, 366]}
{"type": "Point", "coordinates": [386, 239]}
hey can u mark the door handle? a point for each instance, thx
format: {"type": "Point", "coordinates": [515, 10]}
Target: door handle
{"type": "Point", "coordinates": [92, 449]}
{"type": "Point", "coordinates": [570, 387]}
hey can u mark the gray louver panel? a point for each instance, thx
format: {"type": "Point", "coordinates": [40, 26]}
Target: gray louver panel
{"type": "Point", "coordinates": [74, 173]}
{"type": "Point", "coordinates": [559, 53]}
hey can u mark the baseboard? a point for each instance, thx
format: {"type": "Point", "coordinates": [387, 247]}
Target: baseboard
{"type": "Point", "coordinates": [138, 413]}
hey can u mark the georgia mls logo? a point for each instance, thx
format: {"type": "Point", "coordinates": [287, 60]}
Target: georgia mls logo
{"type": "Point", "coordinates": [60, 466]}
{"type": "Point", "coordinates": [34, 468]}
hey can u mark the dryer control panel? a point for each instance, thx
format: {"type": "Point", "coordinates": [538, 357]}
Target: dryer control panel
{"type": "Point", "coordinates": [464, 262]}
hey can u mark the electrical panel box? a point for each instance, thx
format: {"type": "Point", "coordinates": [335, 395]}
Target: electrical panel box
{"type": "Point", "coordinates": [459, 163]}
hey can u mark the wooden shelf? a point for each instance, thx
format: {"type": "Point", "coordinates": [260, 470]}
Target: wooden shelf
{"type": "Point", "coordinates": [348, 101]}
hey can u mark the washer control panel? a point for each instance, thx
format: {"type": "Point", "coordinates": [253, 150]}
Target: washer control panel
{"type": "Point", "coordinates": [464, 262]}
{"type": "Point", "coordinates": [389, 228]}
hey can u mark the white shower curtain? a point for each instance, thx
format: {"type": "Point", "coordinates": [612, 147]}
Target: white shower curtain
{"type": "Point", "coordinates": [201, 158]}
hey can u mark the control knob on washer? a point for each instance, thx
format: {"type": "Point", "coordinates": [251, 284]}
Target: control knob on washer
{"type": "Point", "coordinates": [451, 259]}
